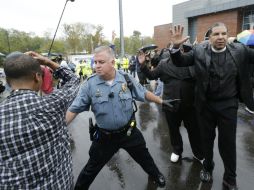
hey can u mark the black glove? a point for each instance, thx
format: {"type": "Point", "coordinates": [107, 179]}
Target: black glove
{"type": "Point", "coordinates": [171, 104]}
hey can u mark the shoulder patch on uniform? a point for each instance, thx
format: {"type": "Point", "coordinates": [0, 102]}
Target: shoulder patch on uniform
{"type": "Point", "coordinates": [93, 75]}
{"type": "Point", "coordinates": [123, 73]}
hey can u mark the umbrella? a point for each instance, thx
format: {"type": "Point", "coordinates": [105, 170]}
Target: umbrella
{"type": "Point", "coordinates": [246, 37]}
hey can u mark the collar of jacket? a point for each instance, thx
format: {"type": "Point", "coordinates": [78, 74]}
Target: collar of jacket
{"type": "Point", "coordinates": [118, 78]}
{"type": "Point", "coordinates": [208, 50]}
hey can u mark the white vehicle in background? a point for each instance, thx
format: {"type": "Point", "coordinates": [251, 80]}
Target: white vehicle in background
{"type": "Point", "coordinates": [76, 59]}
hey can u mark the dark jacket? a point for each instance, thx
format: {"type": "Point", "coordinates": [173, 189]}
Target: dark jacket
{"type": "Point", "coordinates": [200, 56]}
{"type": "Point", "coordinates": [178, 82]}
{"type": "Point", "coordinates": [2, 87]}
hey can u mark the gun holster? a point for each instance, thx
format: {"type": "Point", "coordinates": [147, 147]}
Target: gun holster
{"type": "Point", "coordinates": [92, 129]}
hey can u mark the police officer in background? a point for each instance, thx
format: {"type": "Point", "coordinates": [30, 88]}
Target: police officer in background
{"type": "Point", "coordinates": [111, 101]}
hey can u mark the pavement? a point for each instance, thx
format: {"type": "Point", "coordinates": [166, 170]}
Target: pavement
{"type": "Point", "coordinates": [122, 172]}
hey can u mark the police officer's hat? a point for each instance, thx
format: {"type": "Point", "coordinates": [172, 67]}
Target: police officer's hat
{"type": "Point", "coordinates": [148, 48]}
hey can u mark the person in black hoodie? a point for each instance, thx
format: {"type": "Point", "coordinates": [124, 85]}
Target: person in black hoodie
{"type": "Point", "coordinates": [178, 84]}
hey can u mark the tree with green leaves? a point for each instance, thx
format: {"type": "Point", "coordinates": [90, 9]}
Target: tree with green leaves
{"type": "Point", "coordinates": [78, 37]}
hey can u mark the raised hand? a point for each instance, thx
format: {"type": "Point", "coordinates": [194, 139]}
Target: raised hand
{"type": "Point", "coordinates": [43, 60]}
{"type": "Point", "coordinates": [177, 36]}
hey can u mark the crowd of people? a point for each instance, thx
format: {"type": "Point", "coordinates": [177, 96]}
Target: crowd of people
{"type": "Point", "coordinates": [201, 87]}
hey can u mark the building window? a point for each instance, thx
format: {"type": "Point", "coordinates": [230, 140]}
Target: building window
{"type": "Point", "coordinates": [248, 20]}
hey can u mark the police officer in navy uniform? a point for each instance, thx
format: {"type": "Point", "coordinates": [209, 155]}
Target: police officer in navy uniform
{"type": "Point", "coordinates": [111, 99]}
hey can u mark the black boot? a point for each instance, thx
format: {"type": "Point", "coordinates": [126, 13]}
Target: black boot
{"type": "Point", "coordinates": [206, 176]}
{"type": "Point", "coordinates": [159, 179]}
{"type": "Point", "coordinates": [229, 186]}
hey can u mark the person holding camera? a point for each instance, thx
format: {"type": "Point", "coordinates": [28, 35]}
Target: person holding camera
{"type": "Point", "coordinates": [178, 84]}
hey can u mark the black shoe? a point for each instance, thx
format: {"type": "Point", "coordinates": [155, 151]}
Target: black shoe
{"type": "Point", "coordinates": [206, 176]}
{"type": "Point", "coordinates": [159, 180]}
{"type": "Point", "coordinates": [229, 186]}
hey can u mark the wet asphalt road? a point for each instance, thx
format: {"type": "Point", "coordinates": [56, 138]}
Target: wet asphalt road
{"type": "Point", "coordinates": [122, 172]}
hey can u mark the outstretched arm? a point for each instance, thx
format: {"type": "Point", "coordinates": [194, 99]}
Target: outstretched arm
{"type": "Point", "coordinates": [156, 99]}
{"type": "Point", "coordinates": [43, 60]}
{"type": "Point", "coordinates": [153, 98]}
{"type": "Point", "coordinates": [70, 116]}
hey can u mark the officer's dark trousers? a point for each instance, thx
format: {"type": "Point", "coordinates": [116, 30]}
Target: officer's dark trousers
{"type": "Point", "coordinates": [188, 116]}
{"type": "Point", "coordinates": [224, 116]}
{"type": "Point", "coordinates": [101, 152]}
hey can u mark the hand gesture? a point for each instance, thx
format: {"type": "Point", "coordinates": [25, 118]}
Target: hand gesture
{"type": "Point", "coordinates": [177, 36]}
{"type": "Point", "coordinates": [231, 40]}
{"type": "Point", "coordinates": [42, 60]}
{"type": "Point", "coordinates": [141, 57]}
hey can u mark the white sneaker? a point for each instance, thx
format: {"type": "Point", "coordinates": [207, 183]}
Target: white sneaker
{"type": "Point", "coordinates": [201, 161]}
{"type": "Point", "coordinates": [174, 157]}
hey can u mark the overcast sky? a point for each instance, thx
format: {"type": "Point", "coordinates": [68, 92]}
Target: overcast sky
{"type": "Point", "coordinates": [39, 16]}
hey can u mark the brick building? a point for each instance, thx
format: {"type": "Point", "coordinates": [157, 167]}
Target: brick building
{"type": "Point", "coordinates": [161, 35]}
{"type": "Point", "coordinates": [198, 15]}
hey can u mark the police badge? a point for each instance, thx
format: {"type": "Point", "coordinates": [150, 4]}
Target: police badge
{"type": "Point", "coordinates": [124, 87]}
{"type": "Point", "coordinates": [98, 93]}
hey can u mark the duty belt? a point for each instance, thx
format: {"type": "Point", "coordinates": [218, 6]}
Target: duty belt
{"type": "Point", "coordinates": [119, 131]}
{"type": "Point", "coordinates": [127, 129]}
